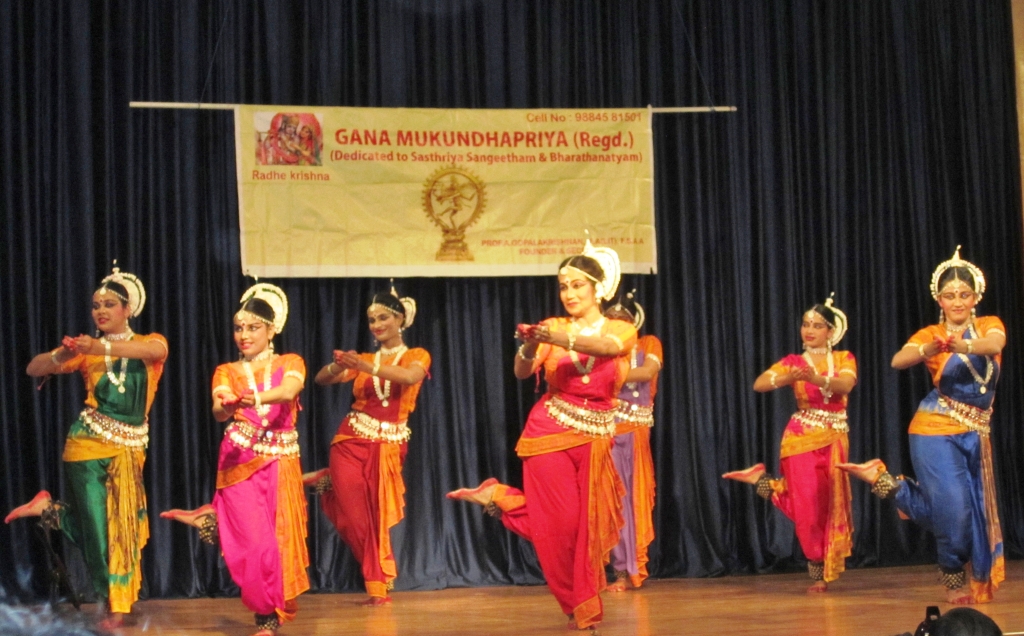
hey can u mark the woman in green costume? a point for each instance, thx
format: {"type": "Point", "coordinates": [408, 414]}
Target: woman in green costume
{"type": "Point", "coordinates": [105, 511]}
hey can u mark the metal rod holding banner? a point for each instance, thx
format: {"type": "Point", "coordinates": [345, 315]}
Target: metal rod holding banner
{"type": "Point", "coordinates": [204, 106]}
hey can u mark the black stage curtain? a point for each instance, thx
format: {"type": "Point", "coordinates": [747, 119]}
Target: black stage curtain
{"type": "Point", "coordinates": [871, 139]}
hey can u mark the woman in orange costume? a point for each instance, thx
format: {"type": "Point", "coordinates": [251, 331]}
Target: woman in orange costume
{"type": "Point", "coordinates": [812, 491]}
{"type": "Point", "coordinates": [572, 505]}
{"type": "Point", "coordinates": [258, 515]}
{"type": "Point", "coordinates": [362, 492]}
{"type": "Point", "coordinates": [106, 447]}
{"type": "Point", "coordinates": [954, 496]}
{"type": "Point", "coordinates": [632, 449]}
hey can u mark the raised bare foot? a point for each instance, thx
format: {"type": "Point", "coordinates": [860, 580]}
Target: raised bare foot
{"type": "Point", "coordinates": [33, 508]}
{"type": "Point", "coordinates": [748, 475]}
{"type": "Point", "coordinates": [482, 494]}
{"type": "Point", "coordinates": [869, 471]}
{"type": "Point", "coordinates": [375, 601]}
{"type": "Point", "coordinates": [114, 620]}
{"type": "Point", "coordinates": [310, 479]}
{"type": "Point", "coordinates": [960, 596]}
{"type": "Point", "coordinates": [190, 517]}
{"type": "Point", "coordinates": [817, 587]}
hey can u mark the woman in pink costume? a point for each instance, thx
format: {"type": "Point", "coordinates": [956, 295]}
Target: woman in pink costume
{"type": "Point", "coordinates": [258, 514]}
{"type": "Point", "coordinates": [812, 491]}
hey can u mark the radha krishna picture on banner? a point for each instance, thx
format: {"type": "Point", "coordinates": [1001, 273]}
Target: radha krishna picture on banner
{"type": "Point", "coordinates": [288, 139]}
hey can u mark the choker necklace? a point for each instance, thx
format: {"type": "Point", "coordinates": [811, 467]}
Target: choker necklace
{"type": "Point", "coordinates": [261, 409]}
{"type": "Point", "coordinates": [262, 355]}
{"type": "Point", "coordinates": [951, 329]}
{"type": "Point", "coordinates": [383, 393]}
{"type": "Point", "coordinates": [120, 337]}
{"type": "Point", "coordinates": [588, 330]}
{"type": "Point", "coordinates": [818, 351]}
{"type": "Point", "coordinates": [392, 351]}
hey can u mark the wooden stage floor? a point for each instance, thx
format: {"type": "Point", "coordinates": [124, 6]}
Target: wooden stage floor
{"type": "Point", "coordinates": [864, 602]}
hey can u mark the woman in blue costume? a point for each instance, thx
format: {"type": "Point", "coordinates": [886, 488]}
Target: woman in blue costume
{"type": "Point", "coordinates": [954, 496]}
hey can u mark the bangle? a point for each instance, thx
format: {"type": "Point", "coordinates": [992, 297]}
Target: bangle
{"type": "Point", "coordinates": [53, 357]}
{"type": "Point", "coordinates": [771, 379]}
{"type": "Point", "coordinates": [522, 353]}
{"type": "Point", "coordinates": [572, 341]}
{"type": "Point", "coordinates": [256, 399]}
{"type": "Point", "coordinates": [330, 370]}
{"type": "Point", "coordinates": [920, 351]}
{"type": "Point", "coordinates": [970, 346]}
{"type": "Point", "coordinates": [376, 368]}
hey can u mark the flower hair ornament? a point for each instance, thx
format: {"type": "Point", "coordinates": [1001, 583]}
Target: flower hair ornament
{"type": "Point", "coordinates": [637, 315]}
{"type": "Point", "coordinates": [136, 291]}
{"type": "Point", "coordinates": [608, 259]}
{"type": "Point", "coordinates": [840, 323]}
{"type": "Point", "coordinates": [956, 261]}
{"type": "Point", "coordinates": [408, 311]}
{"type": "Point", "coordinates": [273, 296]}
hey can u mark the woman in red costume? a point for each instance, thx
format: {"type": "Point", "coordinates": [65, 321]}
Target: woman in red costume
{"type": "Point", "coordinates": [632, 449]}
{"type": "Point", "coordinates": [258, 515]}
{"type": "Point", "coordinates": [362, 492]}
{"type": "Point", "coordinates": [571, 503]}
{"type": "Point", "coordinates": [812, 491]}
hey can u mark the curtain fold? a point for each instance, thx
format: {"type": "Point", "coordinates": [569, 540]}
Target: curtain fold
{"type": "Point", "coordinates": [870, 140]}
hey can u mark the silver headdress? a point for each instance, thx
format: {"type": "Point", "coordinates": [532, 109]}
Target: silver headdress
{"type": "Point", "coordinates": [273, 296]}
{"type": "Point", "coordinates": [136, 291]}
{"type": "Point", "coordinates": [408, 304]}
{"type": "Point", "coordinates": [608, 259]}
{"type": "Point", "coordinates": [839, 325]}
{"type": "Point", "coordinates": [637, 315]}
{"type": "Point", "coordinates": [956, 261]}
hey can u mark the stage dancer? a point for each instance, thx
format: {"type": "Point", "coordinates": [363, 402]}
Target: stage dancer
{"type": "Point", "coordinates": [811, 490]}
{"type": "Point", "coordinates": [362, 491]}
{"type": "Point", "coordinates": [258, 515]}
{"type": "Point", "coordinates": [631, 450]}
{"type": "Point", "coordinates": [571, 503]}
{"type": "Point", "coordinates": [954, 496]}
{"type": "Point", "coordinates": [105, 512]}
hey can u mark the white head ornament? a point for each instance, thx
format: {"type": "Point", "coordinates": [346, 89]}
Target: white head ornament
{"type": "Point", "coordinates": [136, 291]}
{"type": "Point", "coordinates": [608, 259]}
{"type": "Point", "coordinates": [956, 261]}
{"type": "Point", "coordinates": [273, 296]}
{"type": "Point", "coordinates": [408, 304]}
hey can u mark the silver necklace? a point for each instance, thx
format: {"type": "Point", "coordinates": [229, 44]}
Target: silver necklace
{"type": "Point", "coordinates": [384, 393]}
{"type": "Point", "coordinates": [989, 368]}
{"type": "Point", "coordinates": [127, 334]}
{"type": "Point", "coordinates": [589, 330]}
{"type": "Point", "coordinates": [825, 393]}
{"type": "Point", "coordinates": [116, 380]}
{"type": "Point", "coordinates": [261, 409]}
{"type": "Point", "coordinates": [632, 365]}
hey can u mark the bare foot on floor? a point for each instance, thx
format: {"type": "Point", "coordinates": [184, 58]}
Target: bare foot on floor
{"type": "Point", "coordinates": [817, 587]}
{"type": "Point", "coordinates": [33, 508]}
{"type": "Point", "coordinates": [375, 601]}
{"type": "Point", "coordinates": [190, 517]}
{"type": "Point", "coordinates": [748, 475]}
{"type": "Point", "coordinates": [620, 584]}
{"type": "Point", "coordinates": [960, 596]}
{"type": "Point", "coordinates": [114, 620]}
{"type": "Point", "coordinates": [869, 471]}
{"type": "Point", "coordinates": [482, 494]}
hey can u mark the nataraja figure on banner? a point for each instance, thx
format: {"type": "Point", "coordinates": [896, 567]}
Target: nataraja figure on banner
{"type": "Point", "coordinates": [105, 513]}
{"type": "Point", "coordinates": [258, 515]}
{"type": "Point", "coordinates": [812, 491]}
{"type": "Point", "coordinates": [293, 139]}
{"type": "Point", "coordinates": [571, 509]}
{"type": "Point", "coordinates": [954, 496]}
{"type": "Point", "coordinates": [631, 450]}
{"type": "Point", "coordinates": [362, 491]}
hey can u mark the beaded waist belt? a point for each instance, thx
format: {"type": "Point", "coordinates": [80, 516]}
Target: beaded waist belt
{"type": "Point", "coordinates": [820, 418]}
{"type": "Point", "coordinates": [262, 441]}
{"type": "Point", "coordinates": [970, 417]}
{"type": "Point", "coordinates": [116, 431]}
{"type": "Point", "coordinates": [635, 413]}
{"type": "Point", "coordinates": [378, 430]}
{"type": "Point", "coordinates": [583, 420]}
